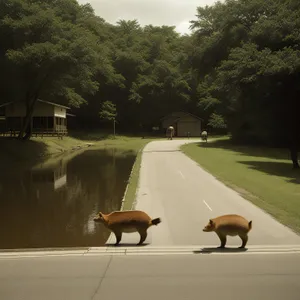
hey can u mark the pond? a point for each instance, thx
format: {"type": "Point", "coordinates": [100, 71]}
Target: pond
{"type": "Point", "coordinates": [53, 204]}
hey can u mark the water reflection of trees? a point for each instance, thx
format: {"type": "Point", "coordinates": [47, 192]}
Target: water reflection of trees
{"type": "Point", "coordinates": [37, 214]}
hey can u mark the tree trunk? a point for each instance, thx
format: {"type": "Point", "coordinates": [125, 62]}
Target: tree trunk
{"type": "Point", "coordinates": [31, 99]}
{"type": "Point", "coordinates": [26, 127]}
{"type": "Point", "coordinates": [28, 131]}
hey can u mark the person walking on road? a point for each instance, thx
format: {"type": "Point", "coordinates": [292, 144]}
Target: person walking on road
{"type": "Point", "coordinates": [170, 132]}
{"type": "Point", "coordinates": [204, 135]}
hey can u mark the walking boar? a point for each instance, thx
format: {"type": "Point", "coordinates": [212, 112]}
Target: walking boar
{"type": "Point", "coordinates": [128, 222]}
{"type": "Point", "coordinates": [231, 225]}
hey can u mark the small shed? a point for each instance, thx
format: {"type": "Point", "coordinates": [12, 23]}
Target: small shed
{"type": "Point", "coordinates": [47, 118]}
{"type": "Point", "coordinates": [184, 124]}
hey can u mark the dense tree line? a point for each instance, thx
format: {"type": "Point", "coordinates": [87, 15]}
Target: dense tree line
{"type": "Point", "coordinates": [238, 70]}
{"type": "Point", "coordinates": [248, 60]}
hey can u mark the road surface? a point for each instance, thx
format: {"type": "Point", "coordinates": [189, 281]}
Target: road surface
{"type": "Point", "coordinates": [175, 188]}
{"type": "Point", "coordinates": [176, 277]}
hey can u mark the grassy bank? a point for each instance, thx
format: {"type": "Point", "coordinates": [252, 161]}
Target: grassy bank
{"type": "Point", "coordinates": [37, 148]}
{"type": "Point", "coordinates": [14, 150]}
{"type": "Point", "coordinates": [130, 195]}
{"type": "Point", "coordinates": [262, 175]}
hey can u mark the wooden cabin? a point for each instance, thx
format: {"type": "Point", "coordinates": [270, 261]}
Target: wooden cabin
{"type": "Point", "coordinates": [48, 118]}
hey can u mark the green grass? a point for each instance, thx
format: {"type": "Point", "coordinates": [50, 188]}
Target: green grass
{"type": "Point", "coordinates": [130, 194]}
{"type": "Point", "coordinates": [37, 147]}
{"type": "Point", "coordinates": [262, 175]}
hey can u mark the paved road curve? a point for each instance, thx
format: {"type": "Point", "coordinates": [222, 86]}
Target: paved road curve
{"type": "Point", "coordinates": [175, 188]}
{"type": "Point", "coordinates": [177, 277]}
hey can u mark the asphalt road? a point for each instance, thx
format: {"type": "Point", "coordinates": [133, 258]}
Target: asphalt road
{"type": "Point", "coordinates": [177, 189]}
{"type": "Point", "coordinates": [176, 277]}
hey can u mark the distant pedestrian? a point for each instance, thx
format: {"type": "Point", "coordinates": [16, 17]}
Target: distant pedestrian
{"type": "Point", "coordinates": [204, 135]}
{"type": "Point", "coordinates": [170, 132]}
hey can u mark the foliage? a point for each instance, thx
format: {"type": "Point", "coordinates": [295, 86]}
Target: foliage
{"type": "Point", "coordinates": [248, 62]}
{"type": "Point", "coordinates": [108, 111]}
{"type": "Point", "coordinates": [216, 121]}
{"type": "Point", "coordinates": [239, 68]}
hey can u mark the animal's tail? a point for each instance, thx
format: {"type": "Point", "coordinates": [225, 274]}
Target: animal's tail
{"type": "Point", "coordinates": [250, 225]}
{"type": "Point", "coordinates": [155, 221]}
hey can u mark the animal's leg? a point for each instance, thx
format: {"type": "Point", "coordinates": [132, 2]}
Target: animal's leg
{"type": "Point", "coordinates": [244, 238]}
{"type": "Point", "coordinates": [118, 235]}
{"type": "Point", "coordinates": [143, 234]}
{"type": "Point", "coordinates": [223, 240]}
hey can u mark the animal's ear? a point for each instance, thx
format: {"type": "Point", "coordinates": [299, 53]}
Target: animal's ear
{"type": "Point", "coordinates": [211, 222]}
{"type": "Point", "coordinates": [100, 215]}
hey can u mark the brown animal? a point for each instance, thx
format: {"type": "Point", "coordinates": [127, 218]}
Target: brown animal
{"type": "Point", "coordinates": [127, 221]}
{"type": "Point", "coordinates": [231, 225]}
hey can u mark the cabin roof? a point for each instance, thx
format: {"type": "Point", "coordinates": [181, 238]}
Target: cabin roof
{"type": "Point", "coordinates": [179, 115]}
{"type": "Point", "coordinates": [39, 100]}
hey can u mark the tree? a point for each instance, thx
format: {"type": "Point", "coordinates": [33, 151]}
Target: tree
{"type": "Point", "coordinates": [108, 113]}
{"type": "Point", "coordinates": [248, 61]}
{"type": "Point", "coordinates": [51, 54]}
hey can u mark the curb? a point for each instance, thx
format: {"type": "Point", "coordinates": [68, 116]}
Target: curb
{"type": "Point", "coordinates": [130, 175]}
{"type": "Point", "coordinates": [149, 250]}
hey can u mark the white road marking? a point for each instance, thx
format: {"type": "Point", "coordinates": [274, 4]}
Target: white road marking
{"type": "Point", "coordinates": [150, 250]}
{"type": "Point", "coordinates": [181, 174]}
{"type": "Point", "coordinates": [207, 205]}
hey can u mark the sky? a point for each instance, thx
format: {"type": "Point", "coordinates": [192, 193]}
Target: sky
{"type": "Point", "coordinates": [156, 12]}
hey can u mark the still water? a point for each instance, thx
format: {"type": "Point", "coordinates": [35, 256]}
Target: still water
{"type": "Point", "coordinates": [53, 204]}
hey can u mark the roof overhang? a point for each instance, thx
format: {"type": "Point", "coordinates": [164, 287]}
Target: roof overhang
{"type": "Point", "coordinates": [39, 100]}
{"type": "Point", "coordinates": [176, 118]}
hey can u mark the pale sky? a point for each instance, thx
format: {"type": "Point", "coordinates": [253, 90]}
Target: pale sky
{"type": "Point", "coordinates": [156, 12]}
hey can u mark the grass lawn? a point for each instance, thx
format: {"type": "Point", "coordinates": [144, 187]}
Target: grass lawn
{"type": "Point", "coordinates": [36, 148]}
{"type": "Point", "coordinates": [130, 194]}
{"type": "Point", "coordinates": [262, 175]}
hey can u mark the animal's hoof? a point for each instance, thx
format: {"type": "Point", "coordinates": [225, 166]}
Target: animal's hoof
{"type": "Point", "coordinates": [221, 247]}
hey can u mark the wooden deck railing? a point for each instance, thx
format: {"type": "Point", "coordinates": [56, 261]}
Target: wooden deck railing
{"type": "Point", "coordinates": [38, 132]}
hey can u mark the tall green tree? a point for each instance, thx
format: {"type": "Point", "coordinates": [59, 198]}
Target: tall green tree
{"type": "Point", "coordinates": [249, 64]}
{"type": "Point", "coordinates": [108, 113]}
{"type": "Point", "coordinates": [50, 52]}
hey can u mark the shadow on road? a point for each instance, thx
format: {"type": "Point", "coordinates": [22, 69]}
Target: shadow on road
{"type": "Point", "coordinates": [126, 245]}
{"type": "Point", "coordinates": [220, 250]}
